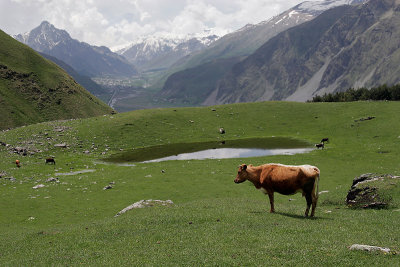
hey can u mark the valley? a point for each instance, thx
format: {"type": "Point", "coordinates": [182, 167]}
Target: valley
{"type": "Point", "coordinates": [198, 69]}
{"type": "Point", "coordinates": [128, 157]}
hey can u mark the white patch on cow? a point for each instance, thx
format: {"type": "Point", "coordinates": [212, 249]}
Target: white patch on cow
{"type": "Point", "coordinates": [308, 169]}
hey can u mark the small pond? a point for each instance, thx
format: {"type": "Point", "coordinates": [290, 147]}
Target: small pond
{"type": "Point", "coordinates": [242, 148]}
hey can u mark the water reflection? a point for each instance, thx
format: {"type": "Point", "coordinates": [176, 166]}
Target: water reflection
{"type": "Point", "coordinates": [242, 148]}
{"type": "Point", "coordinates": [226, 153]}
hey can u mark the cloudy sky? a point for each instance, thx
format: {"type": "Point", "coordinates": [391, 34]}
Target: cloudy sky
{"type": "Point", "coordinates": [116, 23]}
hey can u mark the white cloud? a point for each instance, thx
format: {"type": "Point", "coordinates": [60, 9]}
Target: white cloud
{"type": "Point", "coordinates": [119, 22]}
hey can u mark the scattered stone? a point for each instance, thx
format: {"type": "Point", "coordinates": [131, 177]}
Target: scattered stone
{"type": "Point", "coordinates": [365, 119]}
{"type": "Point", "coordinates": [75, 172]}
{"type": "Point", "coordinates": [364, 194]}
{"type": "Point", "coordinates": [146, 203]}
{"type": "Point", "coordinates": [61, 128]}
{"type": "Point", "coordinates": [191, 121]}
{"type": "Point", "coordinates": [163, 171]}
{"type": "Point", "coordinates": [375, 205]}
{"type": "Point", "coordinates": [148, 176]}
{"type": "Point", "coordinates": [31, 218]}
{"type": "Point", "coordinates": [369, 248]}
{"type": "Point", "coordinates": [52, 179]}
{"type": "Point", "coordinates": [20, 150]}
{"type": "Point", "coordinates": [63, 145]}
{"type": "Point", "coordinates": [38, 186]}
{"type": "Point", "coordinates": [11, 178]}
{"type": "Point", "coordinates": [323, 192]}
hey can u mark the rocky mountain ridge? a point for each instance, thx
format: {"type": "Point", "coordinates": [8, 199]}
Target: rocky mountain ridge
{"type": "Point", "coordinates": [84, 58]}
{"type": "Point", "coordinates": [348, 46]}
{"type": "Point", "coordinates": [161, 52]}
{"type": "Point", "coordinates": [181, 87]}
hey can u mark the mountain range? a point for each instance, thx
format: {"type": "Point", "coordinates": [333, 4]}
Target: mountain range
{"type": "Point", "coordinates": [156, 53]}
{"type": "Point", "coordinates": [313, 48]}
{"type": "Point", "coordinates": [348, 46]}
{"type": "Point", "coordinates": [86, 59]}
{"type": "Point", "coordinates": [182, 84]}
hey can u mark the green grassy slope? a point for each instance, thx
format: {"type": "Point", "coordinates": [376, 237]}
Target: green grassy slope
{"type": "Point", "coordinates": [33, 89]}
{"type": "Point", "coordinates": [213, 221]}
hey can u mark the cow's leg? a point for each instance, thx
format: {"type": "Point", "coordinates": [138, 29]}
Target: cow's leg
{"type": "Point", "coordinates": [314, 196]}
{"type": "Point", "coordinates": [309, 202]}
{"type": "Point", "coordinates": [271, 201]}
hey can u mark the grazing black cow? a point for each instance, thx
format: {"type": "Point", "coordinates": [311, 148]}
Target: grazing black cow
{"type": "Point", "coordinates": [320, 145]}
{"type": "Point", "coordinates": [51, 161]}
{"type": "Point", "coordinates": [325, 140]}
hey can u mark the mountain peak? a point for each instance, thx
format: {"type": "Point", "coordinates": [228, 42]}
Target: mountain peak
{"type": "Point", "coordinates": [45, 23]}
{"type": "Point", "coordinates": [44, 37]}
{"type": "Point", "coordinates": [84, 58]}
{"type": "Point", "coordinates": [159, 51]}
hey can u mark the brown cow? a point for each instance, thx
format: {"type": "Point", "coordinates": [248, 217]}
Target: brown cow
{"type": "Point", "coordinates": [286, 180]}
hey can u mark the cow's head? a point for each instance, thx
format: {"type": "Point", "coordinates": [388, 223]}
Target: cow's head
{"type": "Point", "coordinates": [242, 174]}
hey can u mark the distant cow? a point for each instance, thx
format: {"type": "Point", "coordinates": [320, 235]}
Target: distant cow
{"type": "Point", "coordinates": [325, 140]}
{"type": "Point", "coordinates": [321, 145]}
{"type": "Point", "coordinates": [51, 161]}
{"type": "Point", "coordinates": [17, 163]}
{"type": "Point", "coordinates": [286, 180]}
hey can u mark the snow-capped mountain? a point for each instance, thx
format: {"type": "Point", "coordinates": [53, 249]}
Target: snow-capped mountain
{"type": "Point", "coordinates": [44, 37]}
{"type": "Point", "coordinates": [305, 11]}
{"type": "Point", "coordinates": [155, 52]}
{"type": "Point", "coordinates": [317, 7]}
{"type": "Point", "coordinates": [238, 44]}
{"type": "Point", "coordinates": [344, 47]}
{"type": "Point", "coordinates": [84, 58]}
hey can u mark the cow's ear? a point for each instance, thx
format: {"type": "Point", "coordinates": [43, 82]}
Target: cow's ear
{"type": "Point", "coordinates": [244, 167]}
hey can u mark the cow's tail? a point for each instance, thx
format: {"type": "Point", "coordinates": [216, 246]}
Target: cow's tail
{"type": "Point", "coordinates": [315, 189]}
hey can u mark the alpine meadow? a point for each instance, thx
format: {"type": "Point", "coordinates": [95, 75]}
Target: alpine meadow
{"type": "Point", "coordinates": [212, 221]}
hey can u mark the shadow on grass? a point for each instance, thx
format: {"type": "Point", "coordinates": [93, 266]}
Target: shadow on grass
{"type": "Point", "coordinates": [291, 215]}
{"type": "Point", "coordinates": [296, 216]}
